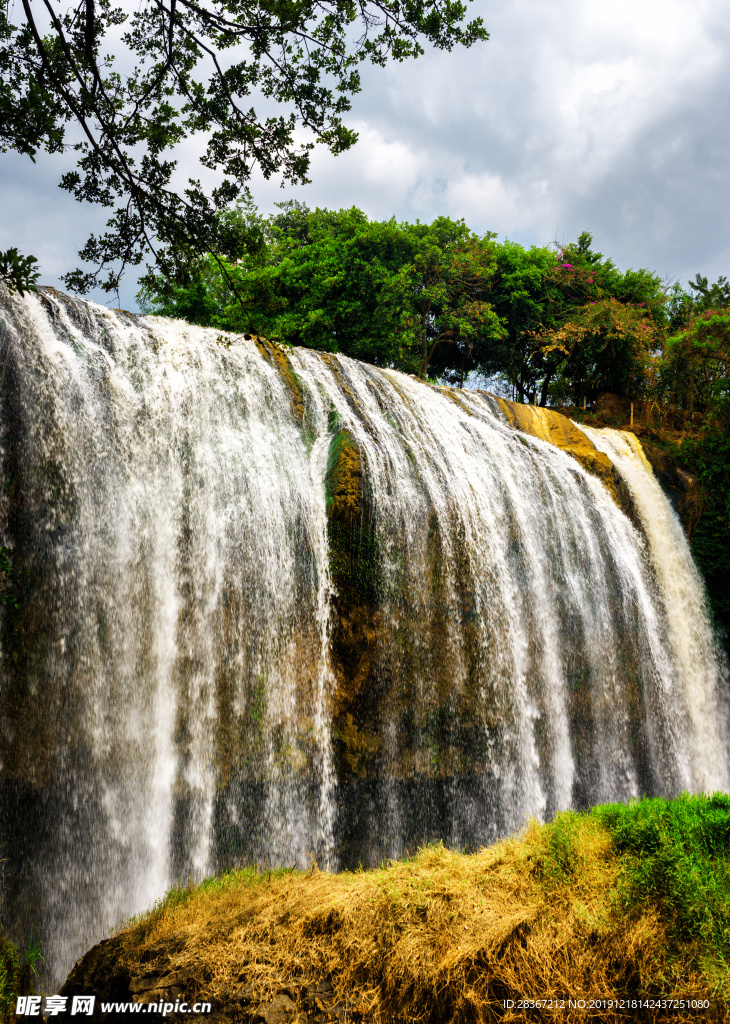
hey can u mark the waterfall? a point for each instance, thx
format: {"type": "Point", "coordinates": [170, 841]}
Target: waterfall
{"type": "Point", "coordinates": [696, 663]}
{"type": "Point", "coordinates": [278, 606]}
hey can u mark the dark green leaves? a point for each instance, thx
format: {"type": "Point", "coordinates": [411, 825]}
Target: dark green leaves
{"type": "Point", "coordinates": [18, 272]}
{"type": "Point", "coordinates": [257, 83]}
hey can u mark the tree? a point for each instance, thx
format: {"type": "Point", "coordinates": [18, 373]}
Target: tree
{"type": "Point", "coordinates": [331, 283]}
{"type": "Point", "coordinates": [605, 345]}
{"type": "Point", "coordinates": [680, 306]}
{"type": "Point", "coordinates": [444, 295]}
{"type": "Point", "coordinates": [710, 296]}
{"type": "Point", "coordinates": [683, 305]}
{"type": "Point", "coordinates": [561, 330]}
{"type": "Point", "coordinates": [519, 294]}
{"type": "Point", "coordinates": [387, 293]}
{"type": "Point", "coordinates": [606, 324]}
{"type": "Point", "coordinates": [694, 370]}
{"type": "Point", "coordinates": [18, 272]}
{"type": "Point", "coordinates": [185, 68]}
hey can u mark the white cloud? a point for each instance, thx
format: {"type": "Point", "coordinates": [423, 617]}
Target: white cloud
{"type": "Point", "coordinates": [574, 115]}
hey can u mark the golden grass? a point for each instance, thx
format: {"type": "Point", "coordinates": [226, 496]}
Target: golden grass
{"type": "Point", "coordinates": [441, 937]}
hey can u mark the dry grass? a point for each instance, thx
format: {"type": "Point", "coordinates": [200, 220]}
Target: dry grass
{"type": "Point", "coordinates": [440, 937]}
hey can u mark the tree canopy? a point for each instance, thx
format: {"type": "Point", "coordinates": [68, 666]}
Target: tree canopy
{"type": "Point", "coordinates": [551, 322]}
{"type": "Point", "coordinates": [390, 294]}
{"type": "Point", "coordinates": [695, 369]}
{"type": "Point", "coordinates": [126, 85]}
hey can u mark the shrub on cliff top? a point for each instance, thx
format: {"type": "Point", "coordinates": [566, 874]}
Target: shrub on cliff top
{"type": "Point", "coordinates": [677, 860]}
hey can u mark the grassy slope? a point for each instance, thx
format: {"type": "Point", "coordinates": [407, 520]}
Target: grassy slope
{"type": "Point", "coordinates": [620, 902]}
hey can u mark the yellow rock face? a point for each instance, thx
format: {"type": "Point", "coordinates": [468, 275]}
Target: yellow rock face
{"type": "Point", "coordinates": [546, 424]}
{"type": "Point", "coordinates": [558, 430]}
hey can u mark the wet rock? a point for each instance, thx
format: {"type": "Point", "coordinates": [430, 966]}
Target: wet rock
{"type": "Point", "coordinates": [322, 991]}
{"type": "Point", "coordinates": [682, 488]}
{"type": "Point", "coordinates": [99, 972]}
{"type": "Point", "coordinates": [558, 430]}
{"type": "Point", "coordinates": [244, 999]}
{"type": "Point", "coordinates": [245, 995]}
{"type": "Point", "coordinates": [145, 982]}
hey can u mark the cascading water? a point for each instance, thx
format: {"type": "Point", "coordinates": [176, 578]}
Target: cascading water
{"type": "Point", "coordinates": [280, 606]}
{"type": "Point", "coordinates": [691, 640]}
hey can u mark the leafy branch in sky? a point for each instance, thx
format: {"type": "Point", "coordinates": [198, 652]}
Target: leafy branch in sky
{"type": "Point", "coordinates": [18, 272]}
{"type": "Point", "coordinates": [187, 70]}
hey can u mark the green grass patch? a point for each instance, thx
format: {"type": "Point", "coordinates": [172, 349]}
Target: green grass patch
{"type": "Point", "coordinates": [17, 971]}
{"type": "Point", "coordinates": [677, 859]}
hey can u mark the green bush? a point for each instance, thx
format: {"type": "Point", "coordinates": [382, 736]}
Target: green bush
{"type": "Point", "coordinates": [678, 859]}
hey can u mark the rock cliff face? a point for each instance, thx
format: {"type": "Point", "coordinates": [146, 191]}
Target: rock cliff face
{"type": "Point", "coordinates": [246, 998]}
{"type": "Point", "coordinates": [684, 489]}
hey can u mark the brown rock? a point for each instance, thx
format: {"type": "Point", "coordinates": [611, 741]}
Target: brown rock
{"type": "Point", "coordinates": [244, 994]}
{"type": "Point", "coordinates": [282, 1009]}
{"type": "Point", "coordinates": [683, 489]}
{"type": "Point", "coordinates": [99, 971]}
{"type": "Point", "coordinates": [145, 982]}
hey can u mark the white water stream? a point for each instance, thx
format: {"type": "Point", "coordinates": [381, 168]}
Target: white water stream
{"type": "Point", "coordinates": [692, 643]}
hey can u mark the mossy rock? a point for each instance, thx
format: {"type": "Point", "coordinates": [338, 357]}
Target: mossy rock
{"type": "Point", "coordinates": [344, 480]}
{"type": "Point", "coordinates": [357, 629]}
{"type": "Point", "coordinates": [275, 356]}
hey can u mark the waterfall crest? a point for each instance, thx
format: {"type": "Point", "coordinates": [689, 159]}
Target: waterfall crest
{"type": "Point", "coordinates": [280, 606]}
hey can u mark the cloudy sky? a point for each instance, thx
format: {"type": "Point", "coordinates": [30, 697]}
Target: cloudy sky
{"type": "Point", "coordinates": [576, 114]}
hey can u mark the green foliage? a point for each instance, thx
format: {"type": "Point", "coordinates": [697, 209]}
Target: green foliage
{"type": "Point", "coordinates": [10, 969]}
{"type": "Point", "coordinates": [18, 272]}
{"type": "Point", "coordinates": [603, 325]}
{"type": "Point", "coordinates": [564, 853]}
{"type": "Point", "coordinates": [519, 296]}
{"type": "Point", "coordinates": [683, 305]}
{"type": "Point", "coordinates": [680, 306]}
{"type": "Point", "coordinates": [446, 300]}
{"type": "Point", "coordinates": [710, 296]}
{"type": "Point", "coordinates": [707, 455]}
{"type": "Point", "coordinates": [573, 323]}
{"type": "Point", "coordinates": [604, 345]}
{"type": "Point", "coordinates": [695, 366]}
{"type": "Point", "coordinates": [387, 293]}
{"type": "Point", "coordinates": [675, 860]}
{"type": "Point", "coordinates": [425, 297]}
{"type": "Point", "coordinates": [678, 858]}
{"type": "Point", "coordinates": [693, 373]}
{"type": "Point", "coordinates": [16, 973]}
{"type": "Point", "coordinates": [135, 83]}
